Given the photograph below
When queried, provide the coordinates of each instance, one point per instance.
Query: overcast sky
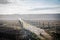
(29, 6)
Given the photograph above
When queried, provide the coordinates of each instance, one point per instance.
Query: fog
(31, 17)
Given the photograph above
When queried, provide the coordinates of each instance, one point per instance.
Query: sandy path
(36, 30)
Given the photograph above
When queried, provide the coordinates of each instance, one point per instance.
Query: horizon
(31, 17)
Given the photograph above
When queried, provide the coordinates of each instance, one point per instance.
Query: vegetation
(27, 35)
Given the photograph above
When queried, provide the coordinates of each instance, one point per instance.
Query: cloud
(46, 8)
(27, 7)
(4, 2)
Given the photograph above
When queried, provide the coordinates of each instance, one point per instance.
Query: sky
(29, 6)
